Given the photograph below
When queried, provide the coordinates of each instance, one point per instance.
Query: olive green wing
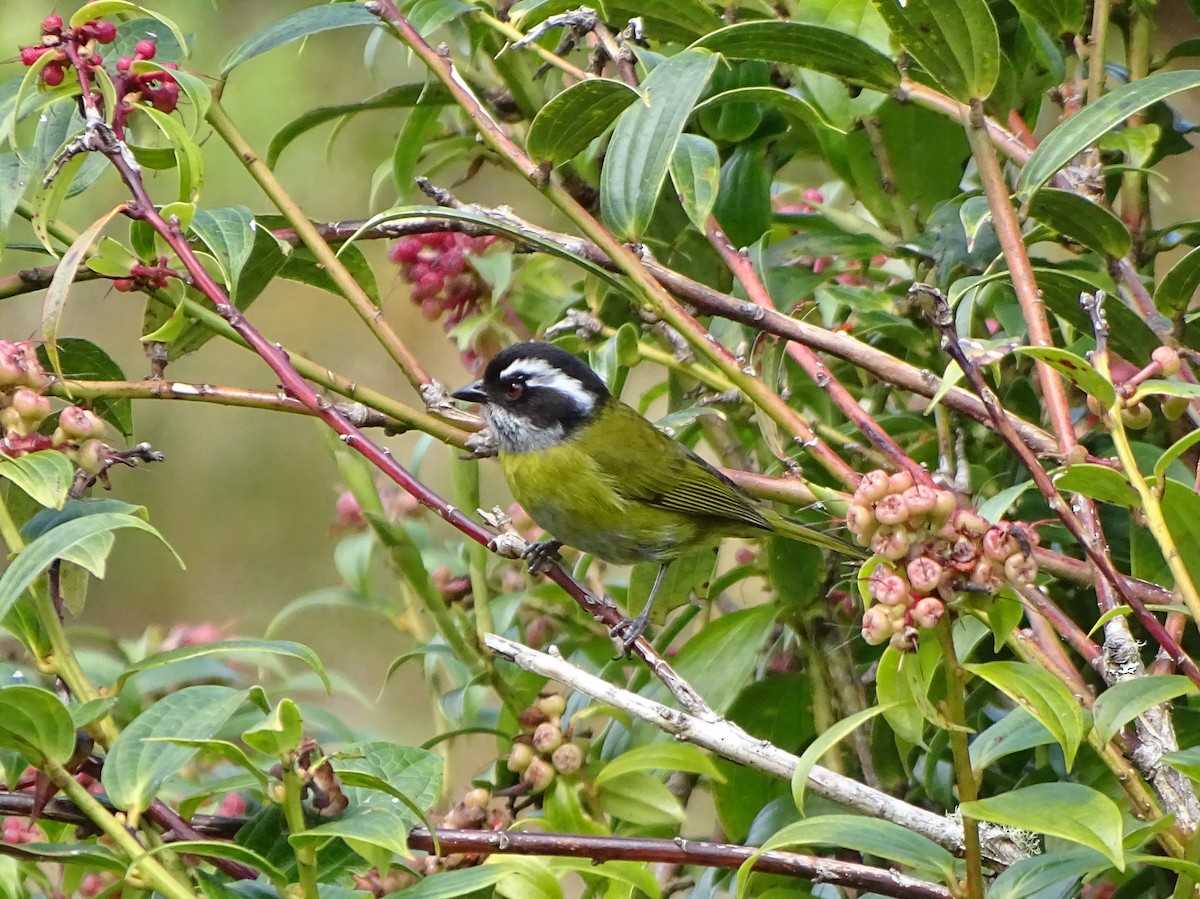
(645, 465)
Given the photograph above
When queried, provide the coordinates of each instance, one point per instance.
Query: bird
(596, 475)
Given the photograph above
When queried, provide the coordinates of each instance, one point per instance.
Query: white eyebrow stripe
(540, 373)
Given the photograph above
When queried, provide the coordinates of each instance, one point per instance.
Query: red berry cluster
(54, 39)
(443, 283)
(853, 276)
(543, 750)
(23, 409)
(934, 553)
(158, 88)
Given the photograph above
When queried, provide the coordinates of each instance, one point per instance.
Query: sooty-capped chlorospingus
(598, 476)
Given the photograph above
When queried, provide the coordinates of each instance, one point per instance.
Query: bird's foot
(542, 555)
(625, 633)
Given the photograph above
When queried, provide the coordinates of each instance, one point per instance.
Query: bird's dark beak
(472, 393)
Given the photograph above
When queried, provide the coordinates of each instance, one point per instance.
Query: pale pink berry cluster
(24, 408)
(543, 750)
(933, 552)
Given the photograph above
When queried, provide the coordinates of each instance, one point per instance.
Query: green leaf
(821, 745)
(955, 41)
(228, 233)
(232, 851)
(48, 199)
(1128, 333)
(1015, 732)
(1030, 876)
(82, 359)
(1075, 369)
(1098, 482)
(696, 174)
(458, 883)
(1126, 700)
(136, 765)
(238, 647)
(720, 660)
(1185, 761)
(659, 757)
(674, 20)
(1056, 17)
(904, 693)
(1082, 221)
(645, 138)
(1181, 509)
(188, 158)
(313, 20)
(301, 265)
(577, 116)
(35, 722)
(1173, 452)
(788, 102)
(418, 128)
(417, 773)
(1067, 810)
(63, 541)
(1083, 129)
(814, 47)
(1174, 293)
(55, 301)
(743, 207)
(640, 799)
(46, 476)
(279, 733)
(1043, 696)
(399, 97)
(873, 836)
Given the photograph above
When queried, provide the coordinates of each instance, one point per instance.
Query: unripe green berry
(519, 757)
(477, 798)
(906, 639)
(944, 505)
(90, 456)
(1137, 418)
(553, 705)
(1167, 359)
(1173, 407)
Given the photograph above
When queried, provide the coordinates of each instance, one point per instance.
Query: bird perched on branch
(598, 476)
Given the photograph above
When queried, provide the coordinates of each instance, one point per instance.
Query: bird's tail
(796, 530)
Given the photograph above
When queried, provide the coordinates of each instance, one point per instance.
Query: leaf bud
(1173, 407)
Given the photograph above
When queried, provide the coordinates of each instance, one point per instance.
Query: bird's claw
(542, 555)
(625, 634)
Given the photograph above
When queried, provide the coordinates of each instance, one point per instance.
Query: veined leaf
(309, 21)
(575, 117)
(645, 138)
(955, 41)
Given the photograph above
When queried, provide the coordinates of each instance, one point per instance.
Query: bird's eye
(513, 390)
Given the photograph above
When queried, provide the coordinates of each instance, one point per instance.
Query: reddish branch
(883, 881)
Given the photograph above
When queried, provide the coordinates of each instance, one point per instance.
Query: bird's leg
(627, 630)
(542, 555)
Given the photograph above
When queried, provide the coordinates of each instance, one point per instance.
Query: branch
(445, 841)
(729, 741)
